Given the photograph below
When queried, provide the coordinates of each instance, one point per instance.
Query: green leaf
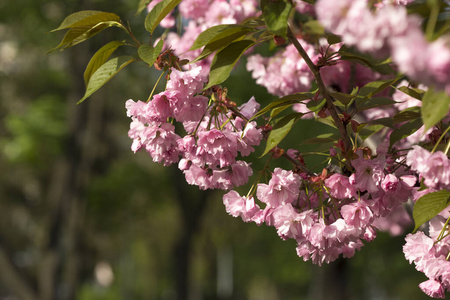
(435, 106)
(285, 101)
(386, 122)
(99, 58)
(215, 33)
(280, 130)
(87, 18)
(382, 67)
(411, 113)
(367, 130)
(223, 38)
(328, 121)
(345, 99)
(365, 104)
(405, 130)
(77, 35)
(159, 12)
(429, 205)
(316, 105)
(313, 27)
(142, 5)
(276, 13)
(375, 87)
(149, 54)
(224, 61)
(415, 93)
(322, 138)
(104, 73)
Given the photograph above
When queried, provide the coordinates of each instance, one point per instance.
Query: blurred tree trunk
(60, 270)
(330, 281)
(57, 274)
(192, 204)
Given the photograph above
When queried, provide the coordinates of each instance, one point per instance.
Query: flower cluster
(207, 153)
(430, 256)
(333, 213)
(433, 168)
(327, 214)
(389, 31)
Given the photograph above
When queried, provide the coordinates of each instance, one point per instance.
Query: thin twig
(329, 101)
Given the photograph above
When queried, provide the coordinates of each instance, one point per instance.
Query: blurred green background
(82, 217)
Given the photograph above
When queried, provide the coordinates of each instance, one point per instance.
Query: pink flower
(193, 9)
(357, 214)
(240, 172)
(417, 246)
(249, 108)
(135, 133)
(283, 188)
(433, 288)
(218, 147)
(437, 173)
(161, 143)
(417, 159)
(286, 221)
(197, 176)
(238, 206)
(340, 186)
(369, 173)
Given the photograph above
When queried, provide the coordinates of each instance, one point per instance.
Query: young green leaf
(159, 12)
(413, 92)
(77, 35)
(382, 67)
(142, 5)
(366, 130)
(316, 105)
(221, 40)
(276, 14)
(284, 101)
(149, 54)
(411, 113)
(344, 98)
(224, 61)
(386, 122)
(104, 73)
(87, 18)
(365, 104)
(372, 88)
(322, 138)
(405, 130)
(435, 106)
(99, 58)
(429, 205)
(216, 33)
(280, 130)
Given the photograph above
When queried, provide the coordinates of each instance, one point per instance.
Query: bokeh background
(82, 217)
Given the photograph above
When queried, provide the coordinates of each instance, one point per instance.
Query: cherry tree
(376, 72)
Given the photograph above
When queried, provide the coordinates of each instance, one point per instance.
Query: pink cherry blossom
(433, 288)
(283, 188)
(340, 186)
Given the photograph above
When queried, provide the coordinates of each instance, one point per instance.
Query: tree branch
(329, 101)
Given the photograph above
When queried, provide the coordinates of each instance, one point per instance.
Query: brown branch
(323, 89)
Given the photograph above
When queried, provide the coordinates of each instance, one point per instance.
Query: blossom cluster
(327, 214)
(333, 213)
(207, 153)
(430, 256)
(389, 31)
